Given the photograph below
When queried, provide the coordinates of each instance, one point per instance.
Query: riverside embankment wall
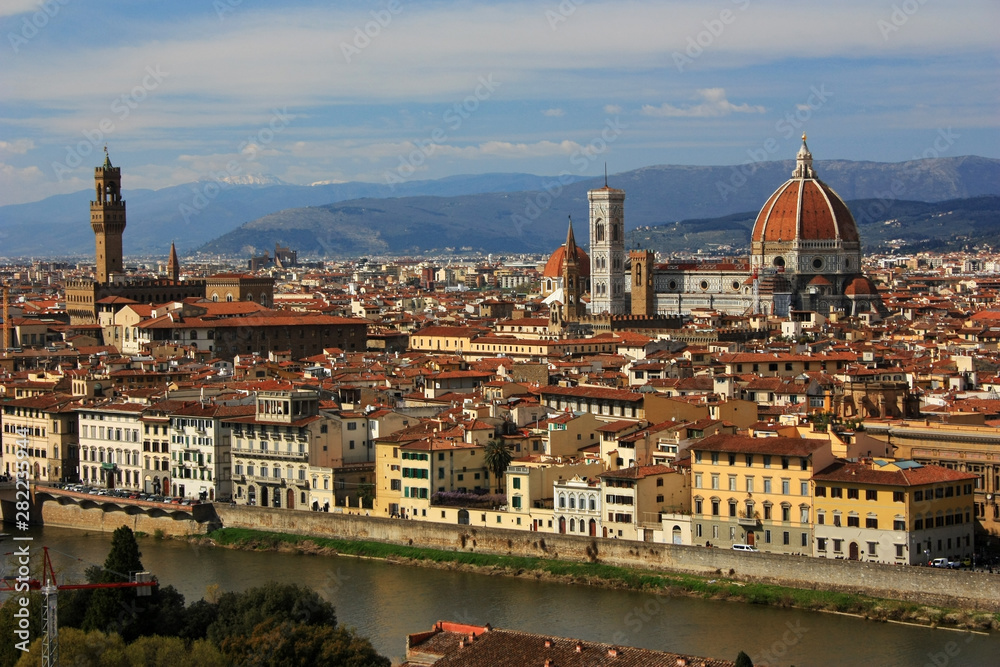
(949, 588)
(106, 518)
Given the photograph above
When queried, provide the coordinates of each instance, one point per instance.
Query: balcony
(748, 519)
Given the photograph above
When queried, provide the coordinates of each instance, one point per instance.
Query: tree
(277, 643)
(743, 660)
(115, 608)
(497, 457)
(239, 613)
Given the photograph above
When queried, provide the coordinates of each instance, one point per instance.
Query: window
(732, 482)
(852, 494)
(767, 485)
(853, 521)
(899, 551)
(898, 524)
(697, 530)
(732, 459)
(352, 426)
(803, 515)
(786, 513)
(516, 481)
(697, 506)
(837, 546)
(715, 507)
(767, 537)
(732, 508)
(786, 487)
(749, 484)
(820, 491)
(821, 518)
(697, 480)
(820, 544)
(836, 492)
(897, 496)
(872, 549)
(871, 494)
(805, 539)
(836, 519)
(715, 481)
(918, 495)
(749, 458)
(785, 538)
(784, 463)
(871, 522)
(767, 461)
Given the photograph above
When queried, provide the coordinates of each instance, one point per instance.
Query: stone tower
(607, 250)
(643, 292)
(107, 218)
(173, 264)
(573, 307)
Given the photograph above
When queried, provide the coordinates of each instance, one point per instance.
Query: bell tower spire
(107, 219)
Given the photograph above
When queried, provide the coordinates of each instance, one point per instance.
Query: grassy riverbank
(598, 574)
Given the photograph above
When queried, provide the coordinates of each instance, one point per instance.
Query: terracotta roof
(449, 645)
(804, 209)
(554, 267)
(741, 444)
(860, 473)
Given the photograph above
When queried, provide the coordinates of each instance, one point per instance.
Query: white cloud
(714, 104)
(15, 7)
(17, 147)
(553, 113)
(612, 108)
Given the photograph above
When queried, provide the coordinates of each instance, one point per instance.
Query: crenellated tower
(107, 218)
(607, 250)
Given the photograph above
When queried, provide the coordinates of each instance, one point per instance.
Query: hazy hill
(194, 213)
(512, 213)
(536, 221)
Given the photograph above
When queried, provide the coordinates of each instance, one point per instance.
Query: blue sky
(382, 90)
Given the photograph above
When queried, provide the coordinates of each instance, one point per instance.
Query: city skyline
(394, 92)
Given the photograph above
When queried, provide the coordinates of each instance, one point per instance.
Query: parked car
(744, 547)
(945, 563)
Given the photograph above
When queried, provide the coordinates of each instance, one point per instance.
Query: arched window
(599, 228)
(562, 501)
(194, 335)
(572, 503)
(593, 503)
(572, 525)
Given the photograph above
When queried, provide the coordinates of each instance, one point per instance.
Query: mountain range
(489, 212)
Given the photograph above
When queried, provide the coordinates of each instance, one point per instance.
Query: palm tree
(497, 457)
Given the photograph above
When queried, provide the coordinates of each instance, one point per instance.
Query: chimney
(548, 662)
(612, 653)
(579, 647)
(548, 643)
(461, 643)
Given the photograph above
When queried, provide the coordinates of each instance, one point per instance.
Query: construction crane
(143, 583)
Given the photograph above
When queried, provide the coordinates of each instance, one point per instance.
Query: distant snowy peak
(326, 183)
(253, 179)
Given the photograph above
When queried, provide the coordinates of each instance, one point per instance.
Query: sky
(394, 90)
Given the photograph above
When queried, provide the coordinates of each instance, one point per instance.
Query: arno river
(385, 602)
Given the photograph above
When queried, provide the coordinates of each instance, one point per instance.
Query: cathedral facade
(805, 255)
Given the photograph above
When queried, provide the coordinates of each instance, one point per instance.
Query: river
(385, 602)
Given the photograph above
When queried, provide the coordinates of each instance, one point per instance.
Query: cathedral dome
(554, 267)
(860, 286)
(804, 208)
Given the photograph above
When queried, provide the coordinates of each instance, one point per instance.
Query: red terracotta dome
(804, 208)
(860, 286)
(553, 268)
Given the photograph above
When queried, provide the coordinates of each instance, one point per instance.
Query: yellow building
(755, 491)
(45, 427)
(893, 512)
(409, 474)
(635, 498)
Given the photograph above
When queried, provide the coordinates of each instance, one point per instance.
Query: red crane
(143, 582)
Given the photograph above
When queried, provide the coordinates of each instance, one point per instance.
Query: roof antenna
(605, 173)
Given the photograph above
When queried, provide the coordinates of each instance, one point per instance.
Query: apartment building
(898, 512)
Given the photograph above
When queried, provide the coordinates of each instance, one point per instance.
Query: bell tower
(107, 218)
(607, 250)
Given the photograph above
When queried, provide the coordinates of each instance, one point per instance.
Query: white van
(744, 547)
